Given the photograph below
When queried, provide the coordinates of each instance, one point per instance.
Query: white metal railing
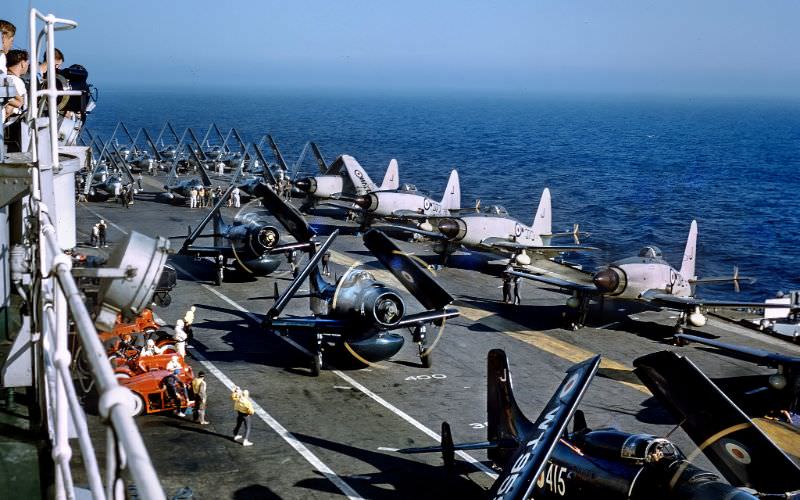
(56, 295)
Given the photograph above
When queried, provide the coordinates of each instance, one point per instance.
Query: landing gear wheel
(425, 356)
(316, 364)
(138, 404)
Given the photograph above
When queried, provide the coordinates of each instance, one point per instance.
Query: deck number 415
(554, 479)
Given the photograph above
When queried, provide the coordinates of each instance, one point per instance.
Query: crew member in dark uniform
(326, 257)
(172, 386)
(506, 288)
(517, 281)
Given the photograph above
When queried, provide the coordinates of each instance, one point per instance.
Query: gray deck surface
(344, 418)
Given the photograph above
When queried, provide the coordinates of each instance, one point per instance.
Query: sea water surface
(633, 171)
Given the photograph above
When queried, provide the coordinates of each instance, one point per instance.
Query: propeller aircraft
(408, 203)
(648, 278)
(247, 244)
(541, 459)
(494, 230)
(357, 312)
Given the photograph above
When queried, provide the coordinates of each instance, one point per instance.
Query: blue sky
(637, 46)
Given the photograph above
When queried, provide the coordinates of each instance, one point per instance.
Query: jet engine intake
(306, 185)
(611, 280)
(453, 229)
(368, 202)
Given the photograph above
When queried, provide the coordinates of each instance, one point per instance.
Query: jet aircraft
(541, 459)
(344, 179)
(358, 313)
(650, 279)
(493, 230)
(408, 203)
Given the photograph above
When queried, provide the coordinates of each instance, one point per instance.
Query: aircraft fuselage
(389, 203)
(629, 278)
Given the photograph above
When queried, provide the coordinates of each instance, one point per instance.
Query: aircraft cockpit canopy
(357, 277)
(650, 252)
(495, 210)
(408, 187)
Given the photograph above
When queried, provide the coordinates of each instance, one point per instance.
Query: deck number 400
(437, 376)
(554, 478)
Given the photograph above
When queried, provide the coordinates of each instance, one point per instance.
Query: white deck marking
(411, 420)
(283, 433)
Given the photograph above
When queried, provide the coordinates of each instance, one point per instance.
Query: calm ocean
(632, 171)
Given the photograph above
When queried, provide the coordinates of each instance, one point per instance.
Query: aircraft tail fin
(687, 266)
(543, 221)
(517, 436)
(391, 180)
(506, 420)
(452, 193)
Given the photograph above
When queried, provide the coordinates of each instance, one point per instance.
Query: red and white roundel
(570, 385)
(737, 451)
(358, 174)
(518, 229)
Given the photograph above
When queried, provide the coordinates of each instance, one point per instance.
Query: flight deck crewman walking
(244, 408)
(506, 288)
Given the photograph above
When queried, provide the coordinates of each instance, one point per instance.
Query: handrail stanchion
(58, 295)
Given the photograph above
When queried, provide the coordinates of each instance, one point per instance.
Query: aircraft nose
(606, 280)
(449, 228)
(363, 201)
(303, 184)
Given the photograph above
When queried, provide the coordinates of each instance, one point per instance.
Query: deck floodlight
(143, 258)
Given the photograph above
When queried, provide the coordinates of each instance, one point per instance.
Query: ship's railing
(53, 294)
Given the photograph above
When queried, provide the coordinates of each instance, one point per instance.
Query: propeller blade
(287, 214)
(417, 280)
(287, 295)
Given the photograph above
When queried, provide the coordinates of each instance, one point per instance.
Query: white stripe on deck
(283, 433)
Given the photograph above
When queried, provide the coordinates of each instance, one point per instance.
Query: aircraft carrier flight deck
(336, 434)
